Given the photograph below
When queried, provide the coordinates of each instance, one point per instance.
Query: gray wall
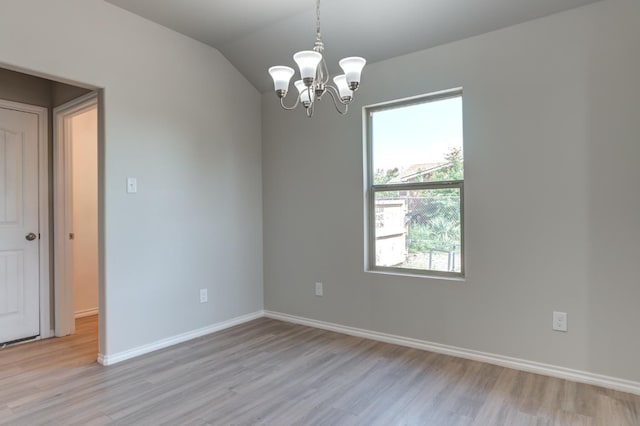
(179, 118)
(552, 126)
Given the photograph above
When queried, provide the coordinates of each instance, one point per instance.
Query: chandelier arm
(335, 97)
(295, 105)
(335, 94)
(326, 71)
(311, 94)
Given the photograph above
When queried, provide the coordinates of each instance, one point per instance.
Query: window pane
(418, 143)
(418, 229)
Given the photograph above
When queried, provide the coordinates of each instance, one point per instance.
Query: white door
(19, 256)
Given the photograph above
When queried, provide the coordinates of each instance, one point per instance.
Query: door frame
(43, 210)
(63, 211)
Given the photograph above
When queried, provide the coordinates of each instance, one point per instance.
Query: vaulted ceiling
(256, 34)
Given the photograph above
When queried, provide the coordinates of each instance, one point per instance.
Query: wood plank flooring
(268, 372)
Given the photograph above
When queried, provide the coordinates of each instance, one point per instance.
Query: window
(415, 178)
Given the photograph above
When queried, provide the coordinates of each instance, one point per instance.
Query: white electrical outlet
(319, 289)
(560, 321)
(204, 297)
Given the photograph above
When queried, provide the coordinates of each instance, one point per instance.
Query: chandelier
(314, 75)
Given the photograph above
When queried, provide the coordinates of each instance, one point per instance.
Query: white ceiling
(256, 34)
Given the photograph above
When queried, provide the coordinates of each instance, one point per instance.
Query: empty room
(305, 212)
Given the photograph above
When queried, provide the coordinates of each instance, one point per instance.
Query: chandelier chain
(318, 17)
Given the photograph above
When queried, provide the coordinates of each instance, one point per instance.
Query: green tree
(438, 211)
(453, 170)
(444, 203)
(381, 177)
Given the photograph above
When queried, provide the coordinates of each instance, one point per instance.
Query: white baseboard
(504, 361)
(614, 383)
(86, 313)
(170, 341)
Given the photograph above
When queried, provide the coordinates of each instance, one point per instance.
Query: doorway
(28, 304)
(75, 212)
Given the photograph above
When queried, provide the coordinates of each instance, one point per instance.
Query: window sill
(416, 275)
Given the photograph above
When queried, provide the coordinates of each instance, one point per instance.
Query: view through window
(416, 184)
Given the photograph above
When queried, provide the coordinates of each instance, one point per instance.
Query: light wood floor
(268, 372)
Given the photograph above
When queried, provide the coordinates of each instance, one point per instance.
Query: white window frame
(372, 189)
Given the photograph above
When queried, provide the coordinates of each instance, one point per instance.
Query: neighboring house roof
(417, 170)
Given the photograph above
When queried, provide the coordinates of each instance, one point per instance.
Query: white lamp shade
(281, 77)
(352, 68)
(343, 88)
(303, 90)
(307, 61)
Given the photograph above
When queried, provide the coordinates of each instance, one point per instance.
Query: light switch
(132, 185)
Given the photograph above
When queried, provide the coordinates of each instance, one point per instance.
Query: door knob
(31, 236)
